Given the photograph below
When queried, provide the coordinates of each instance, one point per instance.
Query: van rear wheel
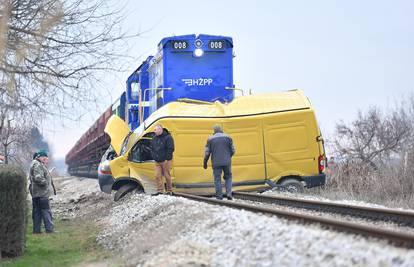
(293, 186)
(123, 190)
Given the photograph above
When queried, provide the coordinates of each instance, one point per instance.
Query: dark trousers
(227, 179)
(41, 211)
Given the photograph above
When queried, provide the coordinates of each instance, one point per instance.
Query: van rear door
(290, 146)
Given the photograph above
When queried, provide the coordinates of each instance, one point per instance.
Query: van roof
(240, 106)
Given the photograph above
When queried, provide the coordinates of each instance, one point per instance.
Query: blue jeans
(41, 211)
(227, 179)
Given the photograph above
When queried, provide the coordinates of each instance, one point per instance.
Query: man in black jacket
(162, 152)
(221, 148)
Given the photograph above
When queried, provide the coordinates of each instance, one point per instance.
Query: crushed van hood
(117, 130)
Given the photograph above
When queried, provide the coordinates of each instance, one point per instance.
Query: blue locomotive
(187, 66)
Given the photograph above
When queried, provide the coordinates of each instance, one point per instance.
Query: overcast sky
(345, 55)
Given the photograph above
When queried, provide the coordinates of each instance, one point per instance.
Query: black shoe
(169, 193)
(229, 198)
(156, 194)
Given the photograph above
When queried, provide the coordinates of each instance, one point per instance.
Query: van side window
(142, 149)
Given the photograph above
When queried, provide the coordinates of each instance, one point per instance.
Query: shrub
(13, 210)
(374, 156)
(387, 184)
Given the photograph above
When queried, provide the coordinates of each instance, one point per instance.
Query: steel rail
(401, 217)
(395, 237)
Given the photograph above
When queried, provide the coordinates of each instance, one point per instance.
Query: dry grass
(391, 186)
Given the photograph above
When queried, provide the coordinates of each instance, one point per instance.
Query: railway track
(401, 217)
(395, 237)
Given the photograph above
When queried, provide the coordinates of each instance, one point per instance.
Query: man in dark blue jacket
(220, 147)
(162, 152)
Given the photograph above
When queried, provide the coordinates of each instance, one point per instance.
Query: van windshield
(124, 144)
(142, 151)
(138, 131)
(132, 138)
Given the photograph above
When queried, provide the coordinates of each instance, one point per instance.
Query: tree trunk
(6, 155)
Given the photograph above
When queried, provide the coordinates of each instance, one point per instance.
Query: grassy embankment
(72, 244)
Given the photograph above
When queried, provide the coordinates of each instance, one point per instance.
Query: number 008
(216, 44)
(180, 45)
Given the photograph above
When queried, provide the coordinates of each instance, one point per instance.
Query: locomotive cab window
(142, 149)
(135, 90)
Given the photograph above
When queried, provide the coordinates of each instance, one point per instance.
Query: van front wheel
(293, 186)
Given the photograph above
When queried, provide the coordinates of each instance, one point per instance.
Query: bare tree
(53, 52)
(19, 139)
(52, 56)
(15, 140)
(375, 155)
(373, 137)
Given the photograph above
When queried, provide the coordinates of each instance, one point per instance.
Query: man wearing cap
(41, 189)
(220, 147)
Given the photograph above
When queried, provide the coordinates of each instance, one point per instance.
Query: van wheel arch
(124, 186)
(292, 183)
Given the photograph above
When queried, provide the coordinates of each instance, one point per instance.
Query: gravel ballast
(219, 236)
(172, 231)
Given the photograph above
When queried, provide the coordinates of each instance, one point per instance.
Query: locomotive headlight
(198, 52)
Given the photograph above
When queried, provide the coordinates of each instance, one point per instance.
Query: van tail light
(321, 163)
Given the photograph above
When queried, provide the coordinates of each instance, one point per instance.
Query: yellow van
(276, 136)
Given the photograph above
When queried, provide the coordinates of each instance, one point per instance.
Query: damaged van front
(119, 133)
